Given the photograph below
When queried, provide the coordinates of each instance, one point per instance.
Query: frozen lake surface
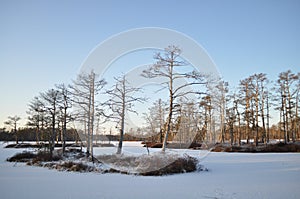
(230, 175)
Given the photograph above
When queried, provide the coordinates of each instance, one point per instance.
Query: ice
(230, 175)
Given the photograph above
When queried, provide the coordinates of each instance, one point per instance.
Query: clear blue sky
(43, 43)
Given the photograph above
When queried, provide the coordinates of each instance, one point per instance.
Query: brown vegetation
(41, 156)
(75, 160)
(250, 148)
(173, 145)
(149, 165)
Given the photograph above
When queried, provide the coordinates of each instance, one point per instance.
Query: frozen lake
(230, 175)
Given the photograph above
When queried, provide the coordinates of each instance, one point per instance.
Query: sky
(45, 42)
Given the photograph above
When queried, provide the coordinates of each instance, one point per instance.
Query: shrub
(249, 148)
(41, 156)
(152, 144)
(45, 156)
(156, 145)
(22, 157)
(195, 145)
(150, 165)
(218, 148)
(179, 165)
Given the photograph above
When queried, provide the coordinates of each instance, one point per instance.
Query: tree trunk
(171, 104)
(122, 123)
(53, 135)
(256, 113)
(231, 133)
(92, 114)
(268, 120)
(290, 117)
(239, 123)
(264, 136)
(16, 133)
(64, 132)
(169, 121)
(247, 114)
(283, 101)
(296, 119)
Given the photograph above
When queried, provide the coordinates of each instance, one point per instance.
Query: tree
(264, 104)
(64, 105)
(166, 66)
(230, 120)
(36, 116)
(205, 107)
(268, 104)
(122, 99)
(246, 95)
(13, 122)
(232, 116)
(84, 89)
(285, 84)
(220, 99)
(187, 123)
(50, 101)
(258, 82)
(296, 120)
(156, 118)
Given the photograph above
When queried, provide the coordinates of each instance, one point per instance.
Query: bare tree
(187, 123)
(165, 66)
(246, 95)
(84, 89)
(286, 85)
(122, 99)
(263, 81)
(64, 105)
(236, 103)
(268, 104)
(50, 101)
(156, 118)
(220, 100)
(13, 122)
(205, 108)
(36, 117)
(230, 120)
(296, 120)
(256, 81)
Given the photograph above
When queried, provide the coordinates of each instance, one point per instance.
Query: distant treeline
(29, 134)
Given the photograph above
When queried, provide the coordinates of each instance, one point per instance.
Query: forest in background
(218, 114)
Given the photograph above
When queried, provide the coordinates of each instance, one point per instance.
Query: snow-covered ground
(230, 175)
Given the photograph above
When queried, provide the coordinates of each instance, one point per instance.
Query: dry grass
(149, 165)
(41, 156)
(22, 157)
(157, 164)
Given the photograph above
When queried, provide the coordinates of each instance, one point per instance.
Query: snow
(230, 175)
